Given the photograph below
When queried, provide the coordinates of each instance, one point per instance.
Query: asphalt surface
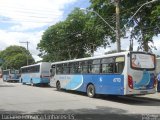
(43, 100)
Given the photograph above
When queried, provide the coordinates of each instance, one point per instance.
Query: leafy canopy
(76, 37)
(15, 57)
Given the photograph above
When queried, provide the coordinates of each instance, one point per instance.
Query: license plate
(143, 92)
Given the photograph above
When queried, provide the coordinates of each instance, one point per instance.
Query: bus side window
(52, 71)
(65, 68)
(37, 68)
(119, 66)
(59, 69)
(107, 65)
(84, 66)
(96, 66)
(72, 68)
(77, 68)
(90, 66)
(107, 68)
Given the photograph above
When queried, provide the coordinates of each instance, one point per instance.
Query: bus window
(84, 65)
(59, 69)
(17, 71)
(5, 72)
(119, 66)
(74, 67)
(52, 70)
(37, 68)
(12, 71)
(79, 67)
(107, 68)
(142, 61)
(95, 66)
(65, 68)
(107, 65)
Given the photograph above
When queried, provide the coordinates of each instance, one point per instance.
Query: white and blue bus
(125, 73)
(36, 73)
(11, 75)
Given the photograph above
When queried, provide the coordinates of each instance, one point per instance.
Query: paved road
(17, 98)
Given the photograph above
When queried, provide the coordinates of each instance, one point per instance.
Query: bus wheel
(91, 91)
(31, 83)
(58, 86)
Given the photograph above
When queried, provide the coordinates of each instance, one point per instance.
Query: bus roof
(96, 57)
(36, 64)
(7, 70)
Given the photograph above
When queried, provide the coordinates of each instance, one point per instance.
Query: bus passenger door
(52, 75)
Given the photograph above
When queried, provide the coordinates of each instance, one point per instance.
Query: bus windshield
(12, 71)
(142, 61)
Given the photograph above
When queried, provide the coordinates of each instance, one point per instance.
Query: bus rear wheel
(58, 86)
(91, 91)
(31, 82)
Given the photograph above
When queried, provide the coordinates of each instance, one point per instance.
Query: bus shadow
(38, 85)
(10, 81)
(7, 86)
(72, 92)
(43, 85)
(132, 100)
(129, 100)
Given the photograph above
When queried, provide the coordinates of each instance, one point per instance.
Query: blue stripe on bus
(104, 84)
(146, 81)
(75, 82)
(35, 80)
(151, 83)
(7, 78)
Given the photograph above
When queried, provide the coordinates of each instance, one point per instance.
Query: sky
(26, 20)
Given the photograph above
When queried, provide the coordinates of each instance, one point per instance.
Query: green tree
(15, 57)
(76, 37)
(145, 23)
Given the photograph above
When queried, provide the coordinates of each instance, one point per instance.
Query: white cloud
(28, 15)
(157, 44)
(125, 46)
(14, 38)
(32, 13)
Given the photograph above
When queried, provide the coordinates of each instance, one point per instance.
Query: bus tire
(23, 83)
(58, 86)
(31, 81)
(91, 91)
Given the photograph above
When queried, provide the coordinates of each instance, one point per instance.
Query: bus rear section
(45, 73)
(5, 75)
(11, 75)
(141, 74)
(36, 73)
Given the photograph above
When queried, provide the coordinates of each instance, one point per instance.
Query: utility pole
(26, 42)
(117, 4)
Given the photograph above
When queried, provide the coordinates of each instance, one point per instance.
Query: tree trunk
(145, 45)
